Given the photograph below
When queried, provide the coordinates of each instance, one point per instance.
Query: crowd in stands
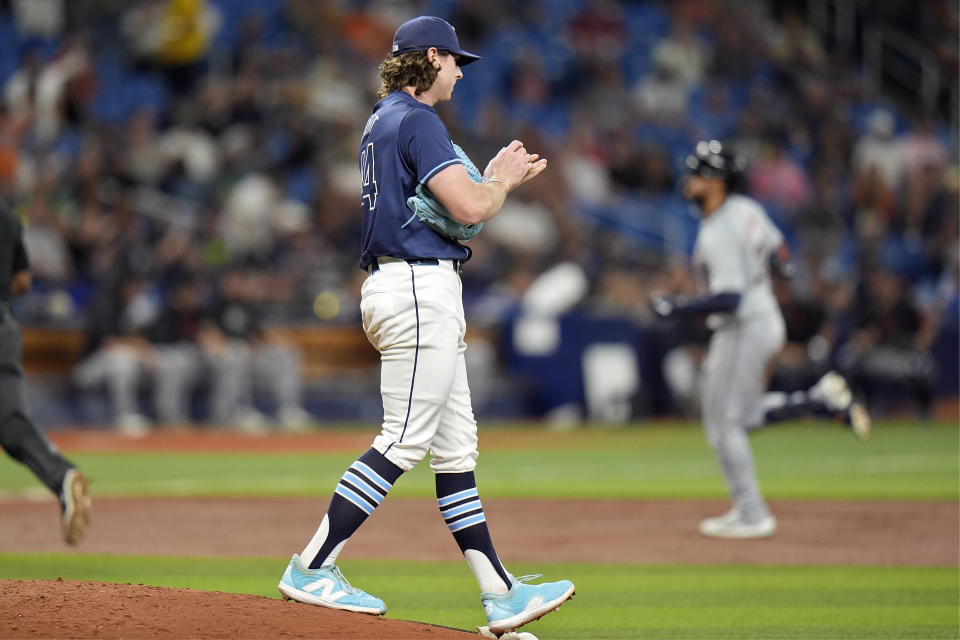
(172, 156)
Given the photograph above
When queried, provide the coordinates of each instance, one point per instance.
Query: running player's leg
(829, 398)
(733, 376)
(19, 436)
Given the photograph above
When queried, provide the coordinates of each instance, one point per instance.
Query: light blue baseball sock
(459, 503)
(361, 490)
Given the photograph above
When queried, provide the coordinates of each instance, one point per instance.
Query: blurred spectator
(174, 34)
(920, 148)
(821, 224)
(44, 238)
(795, 47)
(242, 354)
(809, 342)
(154, 134)
(40, 18)
(142, 159)
(582, 162)
(662, 95)
(526, 226)
(178, 363)
(117, 356)
(645, 167)
(890, 346)
(597, 31)
(878, 150)
(738, 47)
(47, 94)
(247, 215)
(778, 181)
(9, 155)
(682, 53)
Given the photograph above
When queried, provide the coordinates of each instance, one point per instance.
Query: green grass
(613, 601)
(813, 460)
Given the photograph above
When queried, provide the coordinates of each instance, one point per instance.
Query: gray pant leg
(117, 367)
(733, 385)
(19, 436)
(123, 379)
(277, 367)
(178, 368)
(232, 381)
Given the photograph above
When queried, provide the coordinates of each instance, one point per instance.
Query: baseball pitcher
(421, 198)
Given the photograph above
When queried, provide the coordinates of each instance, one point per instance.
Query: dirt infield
(632, 531)
(67, 609)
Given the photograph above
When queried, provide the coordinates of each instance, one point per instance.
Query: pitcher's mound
(68, 609)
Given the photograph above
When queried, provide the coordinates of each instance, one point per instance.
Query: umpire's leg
(19, 437)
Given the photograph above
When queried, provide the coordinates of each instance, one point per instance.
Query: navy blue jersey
(404, 143)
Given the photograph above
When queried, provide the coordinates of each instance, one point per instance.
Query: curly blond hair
(407, 70)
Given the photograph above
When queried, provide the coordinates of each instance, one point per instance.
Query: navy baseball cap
(423, 32)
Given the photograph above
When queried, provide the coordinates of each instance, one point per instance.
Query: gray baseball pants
(241, 366)
(734, 381)
(19, 436)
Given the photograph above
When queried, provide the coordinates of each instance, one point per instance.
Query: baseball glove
(426, 207)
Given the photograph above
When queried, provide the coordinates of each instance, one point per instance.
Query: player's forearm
(726, 302)
(483, 203)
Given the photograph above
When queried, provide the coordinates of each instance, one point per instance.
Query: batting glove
(662, 306)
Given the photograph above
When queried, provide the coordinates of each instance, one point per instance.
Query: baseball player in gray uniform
(736, 245)
(19, 436)
(420, 198)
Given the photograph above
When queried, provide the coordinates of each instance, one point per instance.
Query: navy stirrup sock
(459, 503)
(784, 406)
(361, 490)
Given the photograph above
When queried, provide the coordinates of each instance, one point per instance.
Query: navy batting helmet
(711, 159)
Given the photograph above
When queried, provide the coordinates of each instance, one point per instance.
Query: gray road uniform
(732, 255)
(19, 436)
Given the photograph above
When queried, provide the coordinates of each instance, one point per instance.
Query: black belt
(374, 266)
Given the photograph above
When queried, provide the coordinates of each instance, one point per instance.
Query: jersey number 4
(369, 177)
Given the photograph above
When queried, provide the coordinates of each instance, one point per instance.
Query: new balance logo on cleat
(328, 587)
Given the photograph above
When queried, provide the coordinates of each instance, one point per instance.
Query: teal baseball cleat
(326, 587)
(524, 603)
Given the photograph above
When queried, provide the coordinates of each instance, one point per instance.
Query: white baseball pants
(413, 315)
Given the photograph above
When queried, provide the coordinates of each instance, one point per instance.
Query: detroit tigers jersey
(404, 144)
(732, 254)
